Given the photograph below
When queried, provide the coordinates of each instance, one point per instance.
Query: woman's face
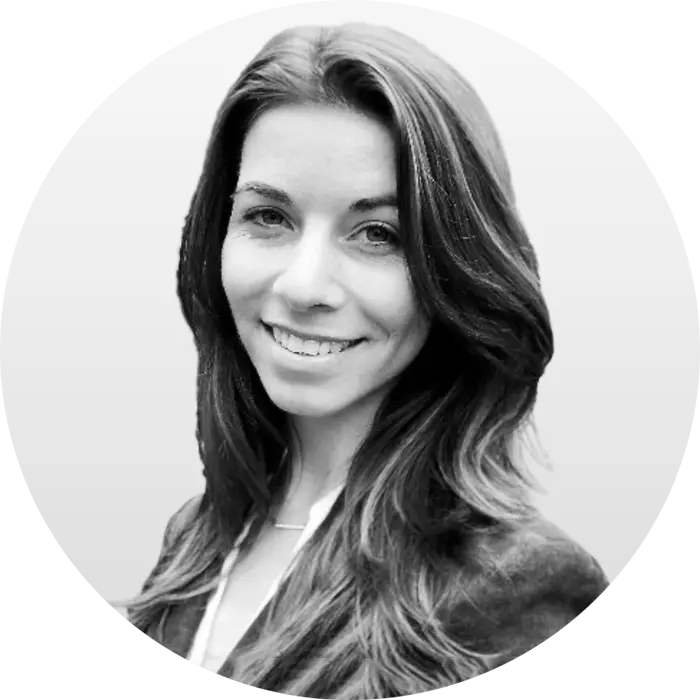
(312, 263)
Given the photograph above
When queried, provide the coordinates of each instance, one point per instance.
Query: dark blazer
(521, 586)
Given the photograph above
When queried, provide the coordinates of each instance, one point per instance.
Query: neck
(322, 454)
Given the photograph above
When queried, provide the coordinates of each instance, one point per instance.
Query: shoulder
(177, 523)
(519, 585)
(536, 558)
(180, 519)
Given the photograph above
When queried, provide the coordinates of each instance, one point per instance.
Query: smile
(309, 347)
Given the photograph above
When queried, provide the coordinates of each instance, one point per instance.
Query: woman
(371, 331)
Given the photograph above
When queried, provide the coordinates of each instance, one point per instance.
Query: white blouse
(317, 514)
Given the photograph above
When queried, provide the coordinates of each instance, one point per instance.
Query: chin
(302, 406)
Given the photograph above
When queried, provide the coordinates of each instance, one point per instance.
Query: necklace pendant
(285, 526)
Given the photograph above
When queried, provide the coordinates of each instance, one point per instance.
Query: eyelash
(252, 217)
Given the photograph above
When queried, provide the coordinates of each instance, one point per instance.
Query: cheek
(390, 302)
(415, 332)
(242, 271)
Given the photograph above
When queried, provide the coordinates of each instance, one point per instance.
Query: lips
(352, 343)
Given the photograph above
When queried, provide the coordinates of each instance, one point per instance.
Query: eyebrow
(360, 206)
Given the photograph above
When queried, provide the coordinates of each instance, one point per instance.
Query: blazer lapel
(248, 638)
(182, 623)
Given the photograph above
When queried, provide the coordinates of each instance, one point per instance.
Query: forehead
(320, 150)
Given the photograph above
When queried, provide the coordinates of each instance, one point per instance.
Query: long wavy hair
(364, 609)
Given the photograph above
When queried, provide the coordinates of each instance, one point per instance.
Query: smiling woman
(371, 332)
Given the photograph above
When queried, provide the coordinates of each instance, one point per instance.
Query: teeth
(306, 347)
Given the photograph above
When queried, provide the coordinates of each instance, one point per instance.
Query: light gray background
(98, 367)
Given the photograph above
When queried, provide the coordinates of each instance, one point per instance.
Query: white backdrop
(98, 373)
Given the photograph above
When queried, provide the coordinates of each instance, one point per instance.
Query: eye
(268, 218)
(380, 237)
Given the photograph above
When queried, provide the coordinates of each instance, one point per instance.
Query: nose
(308, 278)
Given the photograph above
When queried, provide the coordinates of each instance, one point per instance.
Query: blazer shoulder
(543, 560)
(177, 522)
(180, 519)
(535, 560)
(519, 585)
